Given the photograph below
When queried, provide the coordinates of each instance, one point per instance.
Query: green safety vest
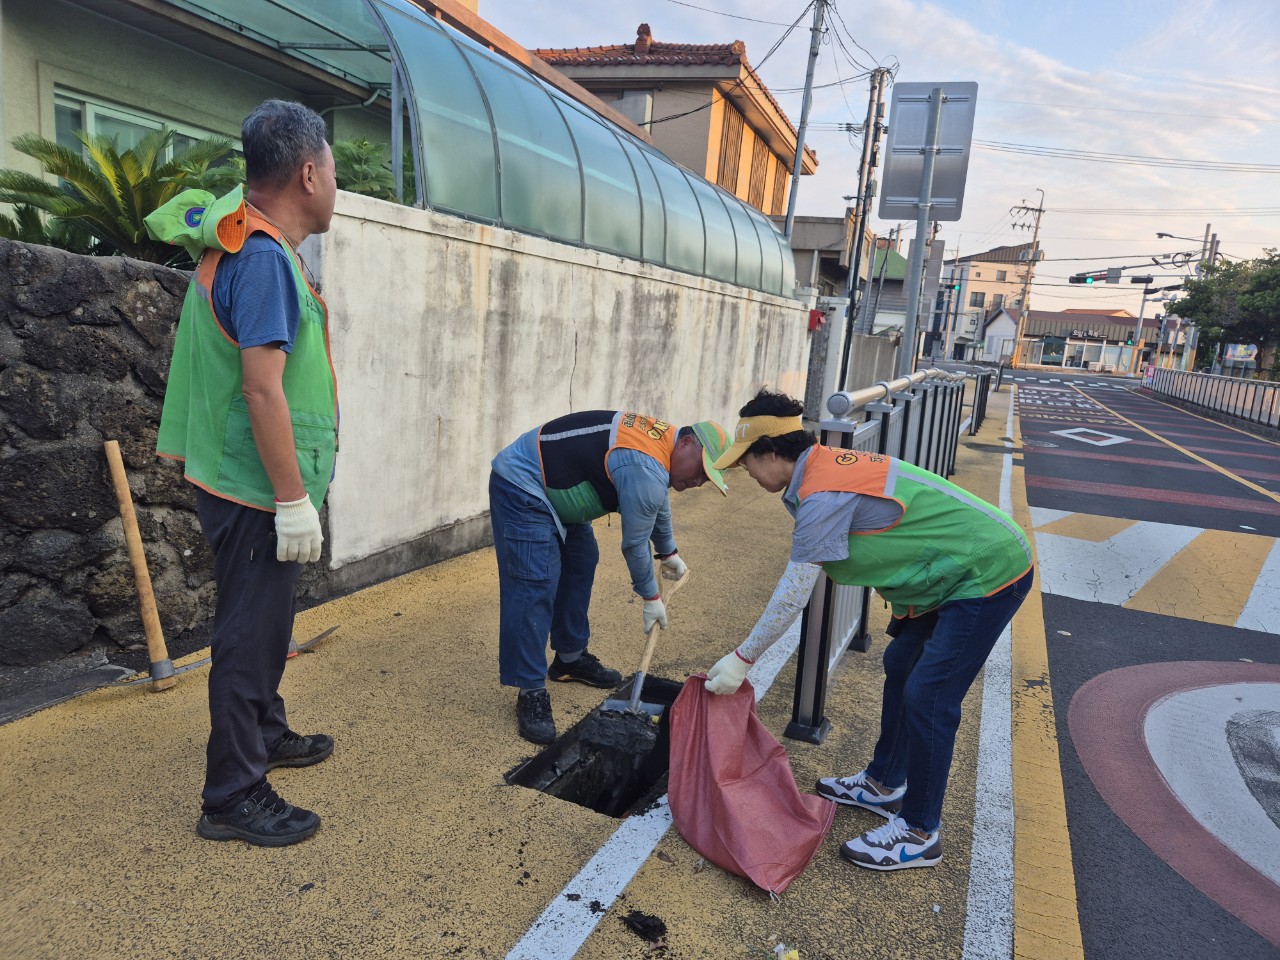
(205, 421)
(947, 545)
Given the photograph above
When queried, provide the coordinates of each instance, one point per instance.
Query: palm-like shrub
(29, 225)
(108, 193)
(360, 168)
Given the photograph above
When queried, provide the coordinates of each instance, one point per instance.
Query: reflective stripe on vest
(574, 450)
(947, 545)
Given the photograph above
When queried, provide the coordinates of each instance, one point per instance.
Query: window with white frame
(1002, 274)
(76, 111)
(977, 298)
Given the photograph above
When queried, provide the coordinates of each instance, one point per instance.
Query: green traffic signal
(1088, 279)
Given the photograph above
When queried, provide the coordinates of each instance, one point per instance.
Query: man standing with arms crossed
(251, 409)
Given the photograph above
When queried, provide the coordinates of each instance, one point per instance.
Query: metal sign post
(928, 149)
(908, 351)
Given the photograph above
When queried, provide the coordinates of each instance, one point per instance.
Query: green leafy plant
(1236, 302)
(29, 225)
(107, 193)
(361, 168)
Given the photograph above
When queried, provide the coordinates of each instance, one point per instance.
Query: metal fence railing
(1253, 401)
(917, 419)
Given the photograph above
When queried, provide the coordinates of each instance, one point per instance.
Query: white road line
(1262, 611)
(1085, 570)
(568, 920)
(988, 925)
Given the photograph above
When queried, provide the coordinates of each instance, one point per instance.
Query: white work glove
(655, 611)
(673, 568)
(298, 535)
(728, 673)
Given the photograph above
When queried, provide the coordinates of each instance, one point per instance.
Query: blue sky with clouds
(1174, 79)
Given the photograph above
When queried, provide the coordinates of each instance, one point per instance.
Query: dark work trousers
(252, 624)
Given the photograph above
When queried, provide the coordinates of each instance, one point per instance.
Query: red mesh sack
(732, 794)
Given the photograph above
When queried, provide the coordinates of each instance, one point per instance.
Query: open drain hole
(612, 781)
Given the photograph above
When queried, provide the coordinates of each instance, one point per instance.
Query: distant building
(702, 105)
(973, 289)
(1101, 341)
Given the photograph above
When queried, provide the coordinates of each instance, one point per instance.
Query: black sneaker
(586, 669)
(295, 750)
(262, 819)
(533, 712)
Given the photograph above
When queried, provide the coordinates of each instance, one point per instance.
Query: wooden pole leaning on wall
(162, 673)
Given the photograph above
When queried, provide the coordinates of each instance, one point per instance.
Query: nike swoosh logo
(908, 857)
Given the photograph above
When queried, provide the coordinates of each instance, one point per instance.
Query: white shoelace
(894, 830)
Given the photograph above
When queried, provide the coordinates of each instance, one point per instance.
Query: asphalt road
(1156, 533)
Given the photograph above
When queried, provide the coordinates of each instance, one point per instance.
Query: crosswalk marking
(1213, 576)
(1262, 611)
(1210, 579)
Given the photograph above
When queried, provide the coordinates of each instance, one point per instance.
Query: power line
(1068, 153)
(739, 82)
(1157, 113)
(1152, 212)
(721, 13)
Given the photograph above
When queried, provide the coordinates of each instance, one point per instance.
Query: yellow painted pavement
(1046, 923)
(1210, 579)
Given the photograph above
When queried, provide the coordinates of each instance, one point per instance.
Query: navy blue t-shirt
(254, 294)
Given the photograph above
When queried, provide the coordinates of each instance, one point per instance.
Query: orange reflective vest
(947, 545)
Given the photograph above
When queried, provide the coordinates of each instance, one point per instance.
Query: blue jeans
(929, 666)
(544, 583)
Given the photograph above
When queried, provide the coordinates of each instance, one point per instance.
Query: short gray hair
(278, 137)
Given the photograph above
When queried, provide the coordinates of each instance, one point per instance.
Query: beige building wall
(452, 338)
(984, 277)
(686, 140)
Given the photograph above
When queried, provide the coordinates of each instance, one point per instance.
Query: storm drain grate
(606, 780)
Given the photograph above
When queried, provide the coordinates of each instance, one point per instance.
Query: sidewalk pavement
(425, 851)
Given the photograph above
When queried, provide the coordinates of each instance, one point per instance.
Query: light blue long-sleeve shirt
(644, 501)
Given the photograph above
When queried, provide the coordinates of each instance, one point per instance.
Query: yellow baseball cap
(751, 429)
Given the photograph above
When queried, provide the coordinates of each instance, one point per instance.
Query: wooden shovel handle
(655, 626)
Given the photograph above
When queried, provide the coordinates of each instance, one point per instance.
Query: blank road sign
(904, 162)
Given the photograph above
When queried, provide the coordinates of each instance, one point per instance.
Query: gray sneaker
(859, 790)
(262, 818)
(895, 846)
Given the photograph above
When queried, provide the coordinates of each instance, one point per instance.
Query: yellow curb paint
(1210, 579)
(1183, 450)
(1046, 919)
(1087, 526)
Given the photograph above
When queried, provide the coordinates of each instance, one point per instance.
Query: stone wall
(84, 355)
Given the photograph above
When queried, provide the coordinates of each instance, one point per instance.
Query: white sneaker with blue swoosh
(895, 846)
(860, 790)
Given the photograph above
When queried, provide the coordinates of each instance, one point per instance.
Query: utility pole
(871, 131)
(1024, 306)
(871, 305)
(819, 11)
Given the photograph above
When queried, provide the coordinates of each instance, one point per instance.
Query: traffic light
(1087, 277)
(1129, 342)
(1141, 279)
